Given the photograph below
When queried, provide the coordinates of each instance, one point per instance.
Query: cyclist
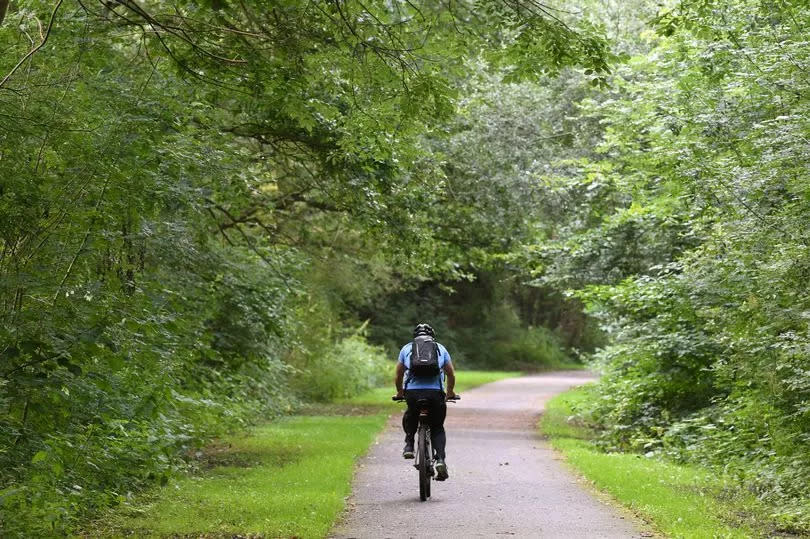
(430, 389)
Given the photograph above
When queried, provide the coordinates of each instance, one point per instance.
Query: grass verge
(679, 500)
(288, 478)
(285, 479)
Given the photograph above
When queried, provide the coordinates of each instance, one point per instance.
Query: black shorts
(437, 409)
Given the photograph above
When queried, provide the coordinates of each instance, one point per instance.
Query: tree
(182, 182)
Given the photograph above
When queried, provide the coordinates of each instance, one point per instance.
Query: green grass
(288, 478)
(681, 501)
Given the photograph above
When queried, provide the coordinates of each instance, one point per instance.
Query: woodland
(213, 212)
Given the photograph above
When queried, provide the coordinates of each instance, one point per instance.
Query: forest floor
(504, 478)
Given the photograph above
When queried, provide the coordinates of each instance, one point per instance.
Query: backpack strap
(441, 367)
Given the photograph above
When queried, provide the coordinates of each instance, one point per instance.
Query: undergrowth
(679, 500)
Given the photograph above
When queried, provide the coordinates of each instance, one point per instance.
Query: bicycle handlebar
(402, 399)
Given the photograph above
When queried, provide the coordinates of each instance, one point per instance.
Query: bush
(503, 342)
(530, 349)
(347, 368)
(137, 436)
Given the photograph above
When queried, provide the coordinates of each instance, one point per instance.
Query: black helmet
(423, 329)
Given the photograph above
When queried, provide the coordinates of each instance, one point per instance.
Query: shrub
(347, 368)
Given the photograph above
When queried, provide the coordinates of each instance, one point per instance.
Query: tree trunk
(3, 9)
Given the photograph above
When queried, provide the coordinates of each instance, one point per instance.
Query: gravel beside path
(504, 479)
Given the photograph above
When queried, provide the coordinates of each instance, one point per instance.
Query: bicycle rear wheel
(422, 453)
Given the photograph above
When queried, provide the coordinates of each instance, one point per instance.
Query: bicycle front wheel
(422, 453)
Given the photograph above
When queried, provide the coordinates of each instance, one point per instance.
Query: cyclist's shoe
(407, 451)
(441, 470)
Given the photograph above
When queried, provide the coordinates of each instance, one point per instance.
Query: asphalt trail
(504, 479)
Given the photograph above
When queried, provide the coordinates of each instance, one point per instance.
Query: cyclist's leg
(409, 423)
(410, 419)
(438, 411)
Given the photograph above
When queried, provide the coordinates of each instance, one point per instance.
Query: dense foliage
(687, 236)
(198, 201)
(210, 211)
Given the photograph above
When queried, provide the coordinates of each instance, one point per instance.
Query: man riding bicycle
(418, 386)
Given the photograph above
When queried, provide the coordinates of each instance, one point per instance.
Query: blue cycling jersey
(422, 382)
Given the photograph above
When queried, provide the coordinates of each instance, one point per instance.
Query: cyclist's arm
(398, 378)
(450, 374)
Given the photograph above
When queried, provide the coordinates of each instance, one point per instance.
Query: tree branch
(35, 49)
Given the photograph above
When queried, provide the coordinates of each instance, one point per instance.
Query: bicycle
(424, 451)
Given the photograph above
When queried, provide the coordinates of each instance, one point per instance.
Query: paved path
(504, 479)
